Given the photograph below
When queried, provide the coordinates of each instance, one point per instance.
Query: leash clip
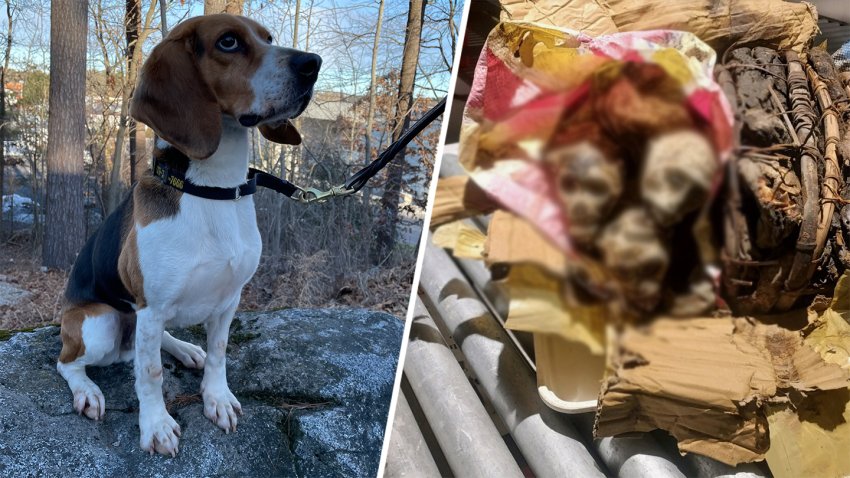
(308, 195)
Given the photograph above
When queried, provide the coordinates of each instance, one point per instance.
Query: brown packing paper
(458, 197)
(720, 23)
(707, 382)
(511, 239)
(811, 437)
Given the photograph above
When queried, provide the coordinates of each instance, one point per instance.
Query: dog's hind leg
(91, 335)
(190, 355)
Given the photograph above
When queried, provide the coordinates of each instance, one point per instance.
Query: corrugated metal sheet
(837, 9)
(834, 32)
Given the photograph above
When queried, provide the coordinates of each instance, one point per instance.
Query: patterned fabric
(842, 57)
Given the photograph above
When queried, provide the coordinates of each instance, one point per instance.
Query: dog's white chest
(196, 263)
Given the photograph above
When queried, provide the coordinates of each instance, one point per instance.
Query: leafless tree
(116, 185)
(370, 116)
(223, 6)
(65, 226)
(163, 17)
(385, 239)
(132, 18)
(4, 120)
(295, 156)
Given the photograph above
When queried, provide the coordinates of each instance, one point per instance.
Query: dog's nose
(249, 120)
(307, 65)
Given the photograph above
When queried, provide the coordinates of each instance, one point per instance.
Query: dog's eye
(228, 43)
(270, 39)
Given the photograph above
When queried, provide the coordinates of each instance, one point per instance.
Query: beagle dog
(166, 258)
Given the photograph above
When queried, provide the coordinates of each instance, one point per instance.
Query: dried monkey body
(790, 175)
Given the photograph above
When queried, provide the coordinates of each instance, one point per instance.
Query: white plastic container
(568, 374)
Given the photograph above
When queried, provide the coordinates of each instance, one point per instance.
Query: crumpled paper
(720, 23)
(532, 85)
(811, 435)
(712, 383)
(536, 295)
(739, 390)
(463, 239)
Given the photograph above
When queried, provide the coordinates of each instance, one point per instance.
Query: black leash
(360, 178)
(177, 179)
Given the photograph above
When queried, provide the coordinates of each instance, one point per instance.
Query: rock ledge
(315, 387)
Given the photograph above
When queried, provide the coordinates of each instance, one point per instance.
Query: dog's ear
(172, 98)
(283, 133)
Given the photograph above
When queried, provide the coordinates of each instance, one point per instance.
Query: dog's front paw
(159, 433)
(221, 407)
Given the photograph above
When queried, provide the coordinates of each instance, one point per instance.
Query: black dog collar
(177, 180)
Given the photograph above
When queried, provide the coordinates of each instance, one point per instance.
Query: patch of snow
(15, 200)
(21, 207)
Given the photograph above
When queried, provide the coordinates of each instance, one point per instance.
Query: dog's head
(222, 65)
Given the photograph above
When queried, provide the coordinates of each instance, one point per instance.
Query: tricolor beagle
(169, 259)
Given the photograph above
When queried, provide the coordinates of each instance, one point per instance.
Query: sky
(341, 31)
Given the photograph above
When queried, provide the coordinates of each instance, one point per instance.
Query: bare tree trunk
(295, 157)
(131, 25)
(370, 116)
(295, 21)
(65, 227)
(309, 20)
(3, 119)
(386, 232)
(452, 31)
(223, 6)
(163, 18)
(163, 28)
(116, 185)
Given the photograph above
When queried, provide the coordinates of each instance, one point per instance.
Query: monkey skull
(637, 258)
(590, 184)
(677, 175)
